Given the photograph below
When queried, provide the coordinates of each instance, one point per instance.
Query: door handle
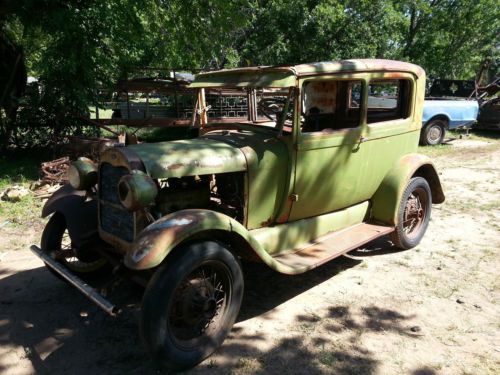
(363, 139)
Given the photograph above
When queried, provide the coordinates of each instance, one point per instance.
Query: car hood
(190, 157)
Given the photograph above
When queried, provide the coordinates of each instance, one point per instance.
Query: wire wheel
(190, 304)
(413, 214)
(57, 242)
(199, 304)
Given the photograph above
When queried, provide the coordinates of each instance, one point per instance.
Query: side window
(388, 100)
(329, 105)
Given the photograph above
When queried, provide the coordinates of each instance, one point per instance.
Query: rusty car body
(292, 168)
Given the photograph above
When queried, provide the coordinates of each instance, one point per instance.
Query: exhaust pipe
(78, 283)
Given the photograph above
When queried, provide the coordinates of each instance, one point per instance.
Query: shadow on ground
(62, 333)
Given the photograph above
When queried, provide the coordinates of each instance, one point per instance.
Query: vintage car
(292, 168)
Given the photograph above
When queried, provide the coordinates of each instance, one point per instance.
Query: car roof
(285, 76)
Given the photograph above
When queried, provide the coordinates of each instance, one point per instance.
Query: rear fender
(385, 202)
(160, 238)
(80, 213)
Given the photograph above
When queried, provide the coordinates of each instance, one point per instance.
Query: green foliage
(75, 47)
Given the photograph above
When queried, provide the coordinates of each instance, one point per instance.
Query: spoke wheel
(413, 214)
(57, 242)
(191, 304)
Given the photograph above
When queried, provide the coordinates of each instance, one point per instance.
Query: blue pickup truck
(441, 115)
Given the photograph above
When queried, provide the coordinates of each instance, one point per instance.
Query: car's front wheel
(413, 214)
(57, 242)
(190, 305)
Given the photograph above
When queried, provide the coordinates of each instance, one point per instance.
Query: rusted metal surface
(332, 245)
(55, 171)
(79, 284)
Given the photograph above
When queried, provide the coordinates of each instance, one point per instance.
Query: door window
(388, 100)
(329, 105)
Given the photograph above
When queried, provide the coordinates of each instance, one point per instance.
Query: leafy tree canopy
(74, 47)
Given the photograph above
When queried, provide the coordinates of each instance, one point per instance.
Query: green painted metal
(299, 186)
(244, 79)
(199, 156)
(137, 190)
(350, 164)
(284, 237)
(267, 158)
(159, 239)
(387, 197)
(269, 76)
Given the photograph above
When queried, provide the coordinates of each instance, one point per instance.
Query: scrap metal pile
(54, 172)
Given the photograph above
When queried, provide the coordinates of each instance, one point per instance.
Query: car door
(329, 146)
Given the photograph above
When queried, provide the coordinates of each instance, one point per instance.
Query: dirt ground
(430, 310)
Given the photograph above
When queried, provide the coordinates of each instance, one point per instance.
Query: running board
(78, 283)
(332, 245)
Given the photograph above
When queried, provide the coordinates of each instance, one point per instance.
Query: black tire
(53, 237)
(414, 213)
(433, 132)
(185, 318)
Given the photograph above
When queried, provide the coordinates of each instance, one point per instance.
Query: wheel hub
(197, 305)
(434, 133)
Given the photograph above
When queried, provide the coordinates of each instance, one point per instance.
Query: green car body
(293, 166)
(295, 186)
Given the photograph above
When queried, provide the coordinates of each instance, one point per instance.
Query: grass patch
(21, 169)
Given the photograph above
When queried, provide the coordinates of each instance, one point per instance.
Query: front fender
(79, 213)
(160, 238)
(385, 201)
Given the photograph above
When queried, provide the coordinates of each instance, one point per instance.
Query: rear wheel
(57, 242)
(433, 132)
(413, 214)
(190, 305)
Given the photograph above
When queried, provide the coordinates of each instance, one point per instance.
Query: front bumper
(78, 283)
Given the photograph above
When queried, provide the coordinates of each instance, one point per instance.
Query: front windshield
(270, 107)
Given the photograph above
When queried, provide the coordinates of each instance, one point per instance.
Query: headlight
(136, 190)
(82, 174)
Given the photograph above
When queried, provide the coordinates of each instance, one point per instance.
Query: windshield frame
(201, 119)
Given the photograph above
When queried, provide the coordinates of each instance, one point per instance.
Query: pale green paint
(268, 168)
(328, 172)
(345, 170)
(269, 76)
(244, 79)
(285, 237)
(387, 197)
(159, 239)
(199, 156)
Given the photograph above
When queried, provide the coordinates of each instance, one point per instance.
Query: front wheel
(190, 305)
(57, 242)
(413, 214)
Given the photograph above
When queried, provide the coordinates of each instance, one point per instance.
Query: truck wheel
(413, 214)
(433, 133)
(56, 241)
(190, 305)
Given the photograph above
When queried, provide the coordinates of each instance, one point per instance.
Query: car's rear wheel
(433, 132)
(413, 214)
(190, 305)
(57, 242)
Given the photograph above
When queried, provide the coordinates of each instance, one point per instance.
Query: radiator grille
(114, 219)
